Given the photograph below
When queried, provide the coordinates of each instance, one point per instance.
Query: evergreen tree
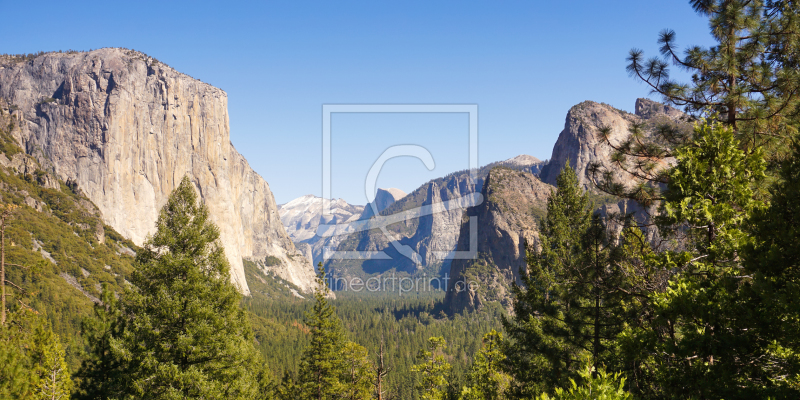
(597, 385)
(181, 332)
(18, 364)
(6, 212)
(322, 366)
(102, 371)
(700, 341)
(749, 80)
(571, 306)
(32, 362)
(773, 260)
(267, 388)
(749, 77)
(381, 371)
(486, 379)
(357, 373)
(288, 389)
(433, 370)
(55, 382)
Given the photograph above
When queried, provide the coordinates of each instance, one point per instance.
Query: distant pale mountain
(302, 216)
(521, 161)
(383, 199)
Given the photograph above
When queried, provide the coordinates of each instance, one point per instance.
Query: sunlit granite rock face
(580, 144)
(507, 224)
(127, 128)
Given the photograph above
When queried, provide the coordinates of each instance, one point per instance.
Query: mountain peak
(646, 108)
(522, 160)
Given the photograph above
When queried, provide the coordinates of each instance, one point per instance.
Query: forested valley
(698, 300)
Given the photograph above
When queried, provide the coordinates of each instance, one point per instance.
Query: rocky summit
(383, 199)
(579, 143)
(126, 128)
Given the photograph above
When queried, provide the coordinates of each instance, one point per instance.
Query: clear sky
(524, 63)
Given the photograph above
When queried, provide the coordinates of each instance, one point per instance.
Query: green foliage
(322, 366)
(598, 385)
(181, 332)
(572, 302)
(749, 76)
(271, 261)
(264, 284)
(331, 368)
(486, 379)
(773, 261)
(432, 370)
(8, 145)
(100, 373)
(76, 252)
(18, 364)
(711, 192)
(403, 324)
(32, 364)
(357, 374)
(703, 339)
(288, 389)
(54, 382)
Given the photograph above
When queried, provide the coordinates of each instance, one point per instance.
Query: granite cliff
(579, 143)
(383, 199)
(126, 128)
(513, 203)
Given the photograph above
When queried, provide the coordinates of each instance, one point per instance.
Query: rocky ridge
(507, 223)
(429, 236)
(514, 203)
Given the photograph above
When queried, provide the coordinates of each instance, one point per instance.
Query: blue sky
(525, 63)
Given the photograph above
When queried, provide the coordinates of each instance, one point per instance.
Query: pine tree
(381, 371)
(700, 341)
(18, 364)
(54, 381)
(571, 305)
(357, 372)
(433, 370)
(322, 367)
(32, 362)
(181, 330)
(773, 260)
(288, 389)
(6, 212)
(486, 379)
(748, 80)
(102, 371)
(750, 77)
(597, 384)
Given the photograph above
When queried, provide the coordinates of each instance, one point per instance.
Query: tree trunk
(596, 345)
(3, 267)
